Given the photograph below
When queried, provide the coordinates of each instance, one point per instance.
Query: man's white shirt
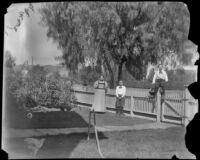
(158, 75)
(121, 91)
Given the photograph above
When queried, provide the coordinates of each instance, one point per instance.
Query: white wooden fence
(179, 107)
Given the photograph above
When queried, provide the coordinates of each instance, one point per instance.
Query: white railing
(177, 109)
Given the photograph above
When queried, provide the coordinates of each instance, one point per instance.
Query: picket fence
(179, 107)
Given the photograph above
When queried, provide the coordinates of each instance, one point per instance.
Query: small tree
(9, 60)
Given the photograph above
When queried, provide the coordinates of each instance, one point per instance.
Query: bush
(36, 90)
(58, 94)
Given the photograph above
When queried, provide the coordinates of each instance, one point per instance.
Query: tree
(63, 28)
(9, 60)
(21, 15)
(89, 74)
(117, 33)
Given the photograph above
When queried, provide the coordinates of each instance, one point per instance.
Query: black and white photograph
(97, 79)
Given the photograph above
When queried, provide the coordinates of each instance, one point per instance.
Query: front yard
(157, 143)
(148, 143)
(77, 118)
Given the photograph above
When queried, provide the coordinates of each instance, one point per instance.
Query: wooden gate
(175, 107)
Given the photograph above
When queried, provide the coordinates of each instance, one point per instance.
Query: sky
(30, 39)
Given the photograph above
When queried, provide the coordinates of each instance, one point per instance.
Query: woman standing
(101, 87)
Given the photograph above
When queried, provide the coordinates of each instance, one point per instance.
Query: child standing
(120, 98)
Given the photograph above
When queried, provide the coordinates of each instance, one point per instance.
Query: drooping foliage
(119, 33)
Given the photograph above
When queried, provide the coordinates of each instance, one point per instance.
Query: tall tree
(63, 28)
(129, 34)
(137, 33)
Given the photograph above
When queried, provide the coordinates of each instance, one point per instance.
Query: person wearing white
(160, 77)
(120, 97)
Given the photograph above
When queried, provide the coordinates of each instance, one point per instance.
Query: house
(63, 72)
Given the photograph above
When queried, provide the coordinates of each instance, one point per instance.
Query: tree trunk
(112, 78)
(120, 72)
(120, 69)
(112, 81)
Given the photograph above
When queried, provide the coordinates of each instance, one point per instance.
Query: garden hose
(97, 140)
(96, 133)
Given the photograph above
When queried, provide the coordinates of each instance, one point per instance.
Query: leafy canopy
(130, 33)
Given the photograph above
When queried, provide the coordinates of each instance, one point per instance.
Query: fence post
(190, 108)
(186, 107)
(132, 103)
(184, 122)
(158, 105)
(162, 109)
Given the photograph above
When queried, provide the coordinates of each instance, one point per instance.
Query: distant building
(63, 73)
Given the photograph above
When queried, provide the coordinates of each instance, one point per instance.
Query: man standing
(120, 98)
(160, 77)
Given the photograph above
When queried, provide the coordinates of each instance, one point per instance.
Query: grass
(157, 143)
(16, 118)
(40, 120)
(60, 119)
(146, 144)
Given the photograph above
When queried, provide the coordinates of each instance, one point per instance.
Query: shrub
(58, 94)
(35, 90)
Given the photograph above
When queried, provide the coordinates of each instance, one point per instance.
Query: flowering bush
(57, 93)
(35, 89)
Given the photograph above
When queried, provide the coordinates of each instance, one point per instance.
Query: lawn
(59, 119)
(154, 143)
(62, 119)
(157, 143)
(137, 144)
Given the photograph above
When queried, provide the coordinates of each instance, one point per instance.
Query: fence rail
(175, 107)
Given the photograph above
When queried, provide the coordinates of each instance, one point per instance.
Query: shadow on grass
(49, 120)
(16, 118)
(61, 146)
(57, 146)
